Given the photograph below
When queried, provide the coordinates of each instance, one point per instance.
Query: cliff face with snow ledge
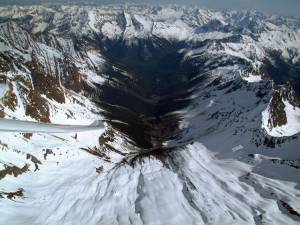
(201, 123)
(281, 118)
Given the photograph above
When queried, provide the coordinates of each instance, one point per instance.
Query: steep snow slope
(290, 128)
(196, 131)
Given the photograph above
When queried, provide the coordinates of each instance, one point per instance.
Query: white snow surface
(72, 192)
(92, 20)
(41, 27)
(111, 30)
(253, 78)
(3, 89)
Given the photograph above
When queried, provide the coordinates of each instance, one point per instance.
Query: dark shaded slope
(147, 83)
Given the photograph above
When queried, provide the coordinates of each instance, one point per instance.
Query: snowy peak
(63, 45)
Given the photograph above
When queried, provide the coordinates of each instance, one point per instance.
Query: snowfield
(203, 188)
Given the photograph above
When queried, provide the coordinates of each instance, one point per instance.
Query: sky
(282, 7)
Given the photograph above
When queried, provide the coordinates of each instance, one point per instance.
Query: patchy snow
(3, 89)
(282, 38)
(215, 35)
(91, 67)
(4, 47)
(175, 31)
(168, 12)
(145, 22)
(68, 47)
(95, 57)
(92, 20)
(111, 30)
(252, 78)
(49, 51)
(77, 110)
(237, 148)
(92, 77)
(292, 126)
(40, 27)
(211, 103)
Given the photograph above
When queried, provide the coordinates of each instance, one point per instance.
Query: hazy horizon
(287, 7)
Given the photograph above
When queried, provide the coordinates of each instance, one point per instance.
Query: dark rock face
(283, 71)
(278, 115)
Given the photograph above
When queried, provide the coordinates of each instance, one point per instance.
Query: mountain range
(201, 111)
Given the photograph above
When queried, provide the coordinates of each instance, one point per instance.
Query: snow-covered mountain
(201, 109)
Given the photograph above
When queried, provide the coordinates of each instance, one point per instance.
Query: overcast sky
(284, 7)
